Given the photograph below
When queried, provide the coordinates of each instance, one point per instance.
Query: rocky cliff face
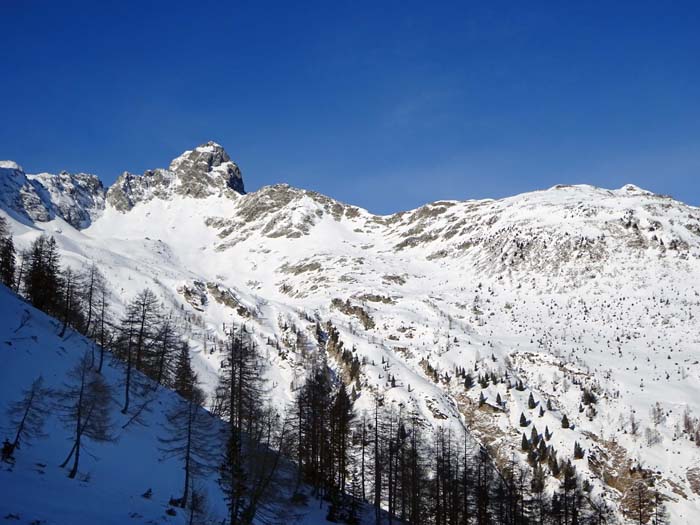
(199, 173)
(79, 198)
(76, 198)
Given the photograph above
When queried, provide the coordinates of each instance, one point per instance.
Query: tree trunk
(102, 335)
(187, 455)
(127, 386)
(78, 425)
(24, 418)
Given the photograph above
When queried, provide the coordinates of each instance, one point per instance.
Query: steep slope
(114, 476)
(76, 198)
(566, 289)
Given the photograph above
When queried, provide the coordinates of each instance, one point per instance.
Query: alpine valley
(574, 309)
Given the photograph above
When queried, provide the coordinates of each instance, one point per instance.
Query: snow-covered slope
(112, 476)
(566, 288)
(127, 480)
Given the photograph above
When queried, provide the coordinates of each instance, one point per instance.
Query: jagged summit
(213, 153)
(207, 159)
(204, 171)
(78, 198)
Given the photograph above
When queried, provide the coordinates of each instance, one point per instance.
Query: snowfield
(564, 289)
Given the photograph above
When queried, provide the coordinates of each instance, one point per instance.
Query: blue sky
(387, 105)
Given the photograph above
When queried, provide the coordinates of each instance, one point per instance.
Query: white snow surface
(10, 165)
(113, 476)
(574, 284)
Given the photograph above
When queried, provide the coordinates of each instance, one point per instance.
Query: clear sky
(386, 105)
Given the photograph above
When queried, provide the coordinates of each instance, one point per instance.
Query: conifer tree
(26, 417)
(537, 487)
(42, 281)
(640, 502)
(250, 460)
(69, 307)
(553, 463)
(531, 402)
(167, 340)
(101, 332)
(84, 406)
(468, 381)
(525, 444)
(184, 380)
(90, 289)
(188, 435)
(137, 336)
(7, 258)
(341, 419)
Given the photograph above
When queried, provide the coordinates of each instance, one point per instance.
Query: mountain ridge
(208, 169)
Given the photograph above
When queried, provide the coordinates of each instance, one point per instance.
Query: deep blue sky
(387, 107)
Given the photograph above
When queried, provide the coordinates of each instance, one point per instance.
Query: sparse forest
(386, 458)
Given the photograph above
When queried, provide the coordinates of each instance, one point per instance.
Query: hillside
(568, 289)
(114, 476)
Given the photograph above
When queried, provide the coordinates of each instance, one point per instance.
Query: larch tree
(7, 256)
(189, 432)
(137, 337)
(102, 333)
(42, 280)
(92, 283)
(84, 406)
(26, 417)
(167, 340)
(69, 308)
(249, 463)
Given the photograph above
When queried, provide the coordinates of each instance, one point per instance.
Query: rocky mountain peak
(207, 155)
(205, 165)
(198, 173)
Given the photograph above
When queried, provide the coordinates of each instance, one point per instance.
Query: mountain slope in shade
(113, 476)
(564, 289)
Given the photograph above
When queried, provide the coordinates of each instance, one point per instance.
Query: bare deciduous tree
(84, 405)
(26, 416)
